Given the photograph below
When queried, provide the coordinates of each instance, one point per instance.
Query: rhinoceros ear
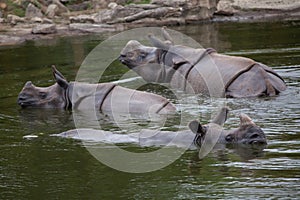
(158, 43)
(166, 35)
(221, 116)
(196, 127)
(245, 120)
(59, 78)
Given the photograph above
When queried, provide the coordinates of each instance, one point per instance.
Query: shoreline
(19, 33)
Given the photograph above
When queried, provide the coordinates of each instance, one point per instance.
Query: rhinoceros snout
(25, 101)
(256, 139)
(122, 58)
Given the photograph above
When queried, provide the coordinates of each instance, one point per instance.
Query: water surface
(56, 168)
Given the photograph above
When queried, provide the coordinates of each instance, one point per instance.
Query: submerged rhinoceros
(200, 71)
(248, 133)
(106, 97)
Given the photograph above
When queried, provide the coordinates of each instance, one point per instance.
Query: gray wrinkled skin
(107, 97)
(200, 71)
(248, 134)
(42, 97)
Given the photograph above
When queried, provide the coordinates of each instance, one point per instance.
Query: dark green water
(54, 168)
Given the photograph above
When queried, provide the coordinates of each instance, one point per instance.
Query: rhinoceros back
(133, 101)
(85, 96)
(110, 97)
(222, 75)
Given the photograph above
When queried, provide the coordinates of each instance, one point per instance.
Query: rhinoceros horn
(245, 120)
(60, 79)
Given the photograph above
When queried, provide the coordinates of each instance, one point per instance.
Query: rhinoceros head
(53, 96)
(247, 133)
(135, 54)
(160, 62)
(149, 62)
(144, 60)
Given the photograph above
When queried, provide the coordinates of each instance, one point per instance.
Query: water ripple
(269, 164)
(264, 51)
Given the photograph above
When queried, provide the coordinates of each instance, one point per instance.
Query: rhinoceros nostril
(255, 142)
(121, 58)
(22, 98)
(254, 136)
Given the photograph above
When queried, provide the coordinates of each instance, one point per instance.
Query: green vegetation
(71, 2)
(138, 2)
(144, 2)
(13, 7)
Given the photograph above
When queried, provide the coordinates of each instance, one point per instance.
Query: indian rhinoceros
(200, 71)
(248, 133)
(105, 97)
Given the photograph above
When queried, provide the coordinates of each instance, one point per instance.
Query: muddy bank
(54, 18)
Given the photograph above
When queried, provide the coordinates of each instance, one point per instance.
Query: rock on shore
(236, 6)
(44, 16)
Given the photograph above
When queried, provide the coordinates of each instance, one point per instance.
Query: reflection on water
(61, 168)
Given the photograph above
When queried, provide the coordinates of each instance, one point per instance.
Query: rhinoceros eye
(143, 55)
(43, 95)
(229, 138)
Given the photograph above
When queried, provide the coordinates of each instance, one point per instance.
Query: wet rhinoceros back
(110, 97)
(217, 75)
(88, 96)
(230, 67)
(244, 77)
(208, 73)
(134, 101)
